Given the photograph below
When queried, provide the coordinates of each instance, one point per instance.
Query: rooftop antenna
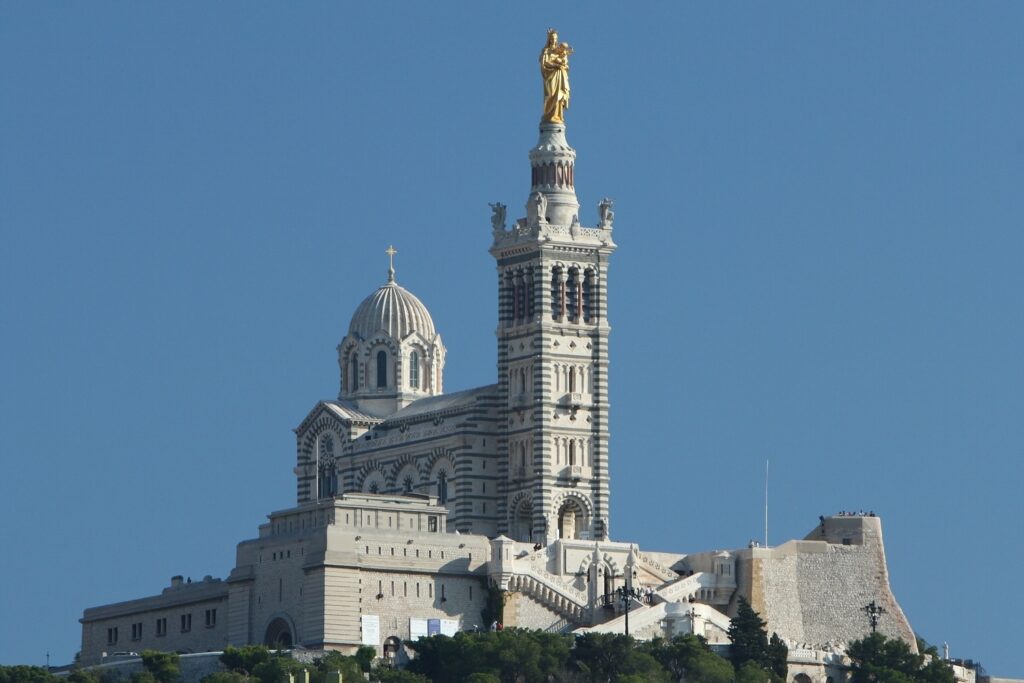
(766, 502)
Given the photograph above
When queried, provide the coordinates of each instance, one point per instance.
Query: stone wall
(182, 608)
(421, 596)
(814, 591)
(522, 611)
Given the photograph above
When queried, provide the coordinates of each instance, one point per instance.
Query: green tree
(244, 659)
(614, 658)
(777, 656)
(443, 659)
(95, 675)
(21, 673)
(689, 655)
(483, 678)
(143, 677)
(349, 667)
(164, 666)
(750, 643)
(926, 648)
(877, 659)
(385, 675)
(748, 636)
(76, 676)
(494, 605)
(601, 656)
(365, 656)
(226, 677)
(276, 669)
(752, 672)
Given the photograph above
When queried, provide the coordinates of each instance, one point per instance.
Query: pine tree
(748, 635)
(778, 654)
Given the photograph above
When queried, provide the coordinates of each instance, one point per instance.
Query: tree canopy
(750, 643)
(877, 659)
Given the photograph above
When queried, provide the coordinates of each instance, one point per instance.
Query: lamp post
(874, 612)
(626, 594)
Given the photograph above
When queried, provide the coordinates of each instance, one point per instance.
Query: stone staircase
(699, 586)
(657, 569)
(549, 591)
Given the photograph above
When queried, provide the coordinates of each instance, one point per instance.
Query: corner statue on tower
(554, 70)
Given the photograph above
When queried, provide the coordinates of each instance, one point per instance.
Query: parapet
(848, 530)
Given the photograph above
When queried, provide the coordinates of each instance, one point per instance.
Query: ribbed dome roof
(393, 309)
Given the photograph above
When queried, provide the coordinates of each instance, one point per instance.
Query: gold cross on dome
(391, 251)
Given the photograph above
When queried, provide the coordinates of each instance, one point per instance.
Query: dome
(395, 310)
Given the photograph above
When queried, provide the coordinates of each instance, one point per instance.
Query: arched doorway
(802, 678)
(522, 521)
(393, 651)
(279, 635)
(572, 520)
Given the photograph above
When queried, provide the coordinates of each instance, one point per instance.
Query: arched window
(353, 384)
(414, 370)
(588, 287)
(557, 294)
(382, 369)
(509, 293)
(517, 311)
(520, 297)
(572, 452)
(570, 290)
(572, 380)
(442, 487)
(327, 481)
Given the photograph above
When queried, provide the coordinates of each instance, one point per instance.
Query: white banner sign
(417, 629)
(449, 627)
(371, 629)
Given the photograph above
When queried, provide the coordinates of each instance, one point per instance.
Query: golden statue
(554, 70)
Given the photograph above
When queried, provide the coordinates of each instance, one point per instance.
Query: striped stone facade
(552, 360)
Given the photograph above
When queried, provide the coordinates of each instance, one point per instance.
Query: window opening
(442, 487)
(382, 369)
(414, 370)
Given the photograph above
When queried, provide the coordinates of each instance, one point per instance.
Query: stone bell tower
(553, 350)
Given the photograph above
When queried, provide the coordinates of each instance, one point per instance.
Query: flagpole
(766, 502)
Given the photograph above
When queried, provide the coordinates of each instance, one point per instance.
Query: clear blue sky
(819, 218)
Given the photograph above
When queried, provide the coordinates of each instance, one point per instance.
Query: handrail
(661, 570)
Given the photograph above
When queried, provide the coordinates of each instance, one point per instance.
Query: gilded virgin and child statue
(554, 70)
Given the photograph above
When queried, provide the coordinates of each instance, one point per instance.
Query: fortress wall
(814, 591)
(406, 595)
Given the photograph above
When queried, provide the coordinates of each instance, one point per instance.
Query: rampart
(814, 591)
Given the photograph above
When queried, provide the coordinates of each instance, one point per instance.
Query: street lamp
(874, 612)
(626, 595)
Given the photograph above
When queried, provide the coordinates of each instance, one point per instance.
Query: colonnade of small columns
(553, 174)
(572, 377)
(573, 294)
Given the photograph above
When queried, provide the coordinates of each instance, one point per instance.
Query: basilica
(414, 507)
